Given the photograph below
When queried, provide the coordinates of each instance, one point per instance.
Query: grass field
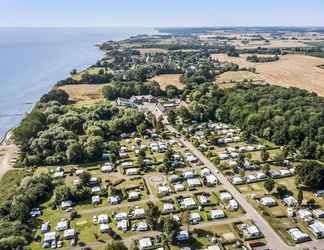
(168, 79)
(290, 71)
(152, 50)
(83, 92)
(237, 76)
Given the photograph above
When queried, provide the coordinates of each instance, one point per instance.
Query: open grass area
(290, 71)
(83, 92)
(168, 79)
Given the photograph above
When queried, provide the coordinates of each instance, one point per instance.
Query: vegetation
(262, 59)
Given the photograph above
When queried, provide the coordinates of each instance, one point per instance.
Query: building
(163, 190)
(45, 227)
(107, 167)
(290, 201)
(69, 234)
(104, 228)
(194, 182)
(268, 201)
(103, 219)
(233, 205)
(216, 214)
(121, 216)
(195, 218)
(50, 237)
(125, 102)
(168, 208)
(114, 200)
(237, 180)
(203, 199)
(297, 235)
(144, 243)
(142, 226)
(132, 171)
(318, 213)
(225, 196)
(211, 180)
(133, 196)
(66, 204)
(122, 225)
(179, 187)
(317, 228)
(62, 225)
(182, 236)
(95, 199)
(138, 213)
(189, 203)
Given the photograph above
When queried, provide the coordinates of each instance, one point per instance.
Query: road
(273, 239)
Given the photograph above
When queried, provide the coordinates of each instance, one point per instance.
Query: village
(159, 178)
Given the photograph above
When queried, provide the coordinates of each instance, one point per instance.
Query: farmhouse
(297, 235)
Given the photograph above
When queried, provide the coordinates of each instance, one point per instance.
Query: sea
(32, 60)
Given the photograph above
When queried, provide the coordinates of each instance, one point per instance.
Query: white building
(50, 237)
(62, 225)
(168, 208)
(268, 201)
(183, 235)
(290, 201)
(216, 214)
(104, 228)
(203, 199)
(237, 180)
(132, 171)
(189, 203)
(195, 218)
(142, 226)
(95, 199)
(225, 196)
(233, 205)
(297, 235)
(194, 182)
(103, 219)
(163, 190)
(211, 180)
(317, 228)
(134, 195)
(122, 225)
(179, 187)
(69, 234)
(114, 200)
(144, 243)
(121, 216)
(188, 174)
(138, 213)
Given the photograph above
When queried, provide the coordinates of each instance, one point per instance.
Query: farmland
(168, 79)
(290, 71)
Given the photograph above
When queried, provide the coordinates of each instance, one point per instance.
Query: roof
(317, 227)
(296, 234)
(145, 242)
(50, 236)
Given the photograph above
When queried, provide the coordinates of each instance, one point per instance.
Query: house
(35, 212)
(122, 225)
(104, 228)
(133, 196)
(213, 247)
(168, 208)
(290, 201)
(205, 172)
(237, 180)
(317, 228)
(261, 176)
(66, 204)
(79, 171)
(304, 214)
(318, 213)
(103, 219)
(297, 235)
(45, 227)
(251, 178)
(251, 231)
(164, 190)
(195, 182)
(284, 172)
(95, 190)
(179, 187)
(233, 205)
(188, 203)
(114, 200)
(268, 201)
(274, 173)
(95, 199)
(121, 216)
(144, 243)
(132, 171)
(69, 234)
(50, 237)
(195, 218)
(188, 174)
(62, 225)
(216, 214)
(125, 102)
(107, 167)
(203, 199)
(173, 178)
(142, 226)
(127, 164)
(138, 213)
(225, 196)
(211, 180)
(182, 236)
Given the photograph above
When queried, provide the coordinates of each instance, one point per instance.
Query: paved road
(273, 239)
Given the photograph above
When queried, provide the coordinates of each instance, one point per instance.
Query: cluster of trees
(15, 230)
(262, 59)
(128, 89)
(57, 134)
(285, 116)
(310, 174)
(102, 77)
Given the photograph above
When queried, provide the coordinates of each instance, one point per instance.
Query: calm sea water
(32, 60)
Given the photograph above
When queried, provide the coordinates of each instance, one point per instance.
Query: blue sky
(149, 13)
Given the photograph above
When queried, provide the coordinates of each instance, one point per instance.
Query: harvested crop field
(290, 71)
(168, 79)
(270, 44)
(83, 92)
(237, 76)
(152, 50)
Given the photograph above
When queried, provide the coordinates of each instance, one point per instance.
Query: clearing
(83, 92)
(168, 79)
(290, 71)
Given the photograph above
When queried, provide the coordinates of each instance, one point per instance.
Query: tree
(74, 153)
(172, 116)
(264, 154)
(116, 245)
(310, 174)
(58, 95)
(153, 215)
(167, 161)
(269, 184)
(300, 197)
(265, 168)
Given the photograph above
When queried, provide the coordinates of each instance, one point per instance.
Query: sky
(160, 13)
